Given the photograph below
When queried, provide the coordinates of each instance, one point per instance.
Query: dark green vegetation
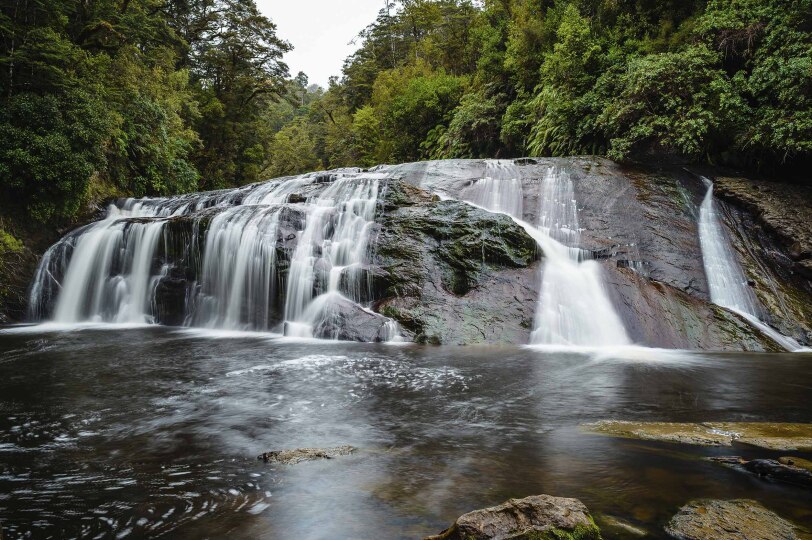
(720, 81)
(154, 97)
(131, 97)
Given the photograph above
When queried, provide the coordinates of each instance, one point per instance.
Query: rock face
(770, 435)
(733, 520)
(452, 273)
(770, 224)
(641, 224)
(539, 517)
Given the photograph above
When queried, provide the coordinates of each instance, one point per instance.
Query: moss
(580, 532)
(9, 244)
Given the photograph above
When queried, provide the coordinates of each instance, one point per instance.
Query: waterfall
(573, 307)
(332, 246)
(726, 279)
(500, 190)
(228, 261)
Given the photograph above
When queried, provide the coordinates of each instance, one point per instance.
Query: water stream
(726, 280)
(109, 270)
(573, 307)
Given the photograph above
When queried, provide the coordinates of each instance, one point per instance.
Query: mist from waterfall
(726, 279)
(109, 270)
(573, 308)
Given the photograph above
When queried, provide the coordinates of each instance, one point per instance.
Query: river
(133, 431)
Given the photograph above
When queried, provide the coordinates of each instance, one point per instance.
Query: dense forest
(102, 98)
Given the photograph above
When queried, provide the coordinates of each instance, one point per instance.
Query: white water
(726, 280)
(93, 289)
(573, 307)
(109, 271)
(332, 248)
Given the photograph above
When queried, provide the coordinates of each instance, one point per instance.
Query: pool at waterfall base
(132, 431)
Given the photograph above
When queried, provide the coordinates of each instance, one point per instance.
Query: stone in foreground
(732, 520)
(539, 517)
(771, 435)
(292, 457)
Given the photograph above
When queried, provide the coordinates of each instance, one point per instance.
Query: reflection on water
(143, 431)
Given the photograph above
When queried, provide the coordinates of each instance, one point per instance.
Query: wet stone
(771, 469)
(771, 435)
(298, 455)
(538, 517)
(732, 520)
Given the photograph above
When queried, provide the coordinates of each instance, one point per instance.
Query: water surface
(147, 430)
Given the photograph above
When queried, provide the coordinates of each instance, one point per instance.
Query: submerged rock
(772, 435)
(539, 517)
(771, 469)
(732, 520)
(292, 457)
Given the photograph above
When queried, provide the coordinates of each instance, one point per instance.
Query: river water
(134, 431)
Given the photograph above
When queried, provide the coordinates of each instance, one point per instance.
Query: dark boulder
(770, 469)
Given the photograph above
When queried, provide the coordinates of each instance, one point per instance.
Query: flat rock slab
(292, 457)
(774, 436)
(732, 520)
(539, 517)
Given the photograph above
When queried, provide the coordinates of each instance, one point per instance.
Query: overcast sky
(320, 31)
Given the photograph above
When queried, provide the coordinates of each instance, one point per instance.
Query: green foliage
(293, 150)
(49, 147)
(135, 97)
(675, 103)
(9, 244)
(154, 97)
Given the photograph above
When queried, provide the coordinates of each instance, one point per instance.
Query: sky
(320, 32)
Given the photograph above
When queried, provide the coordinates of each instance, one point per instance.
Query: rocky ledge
(771, 435)
(539, 517)
(781, 470)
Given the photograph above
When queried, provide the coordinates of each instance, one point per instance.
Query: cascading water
(500, 190)
(109, 271)
(573, 307)
(726, 280)
(332, 247)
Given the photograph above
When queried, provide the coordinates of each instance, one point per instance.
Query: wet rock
(345, 320)
(770, 469)
(294, 198)
(774, 436)
(661, 315)
(732, 520)
(452, 273)
(298, 455)
(539, 517)
(796, 462)
(638, 214)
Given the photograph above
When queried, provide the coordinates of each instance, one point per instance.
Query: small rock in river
(538, 516)
(732, 520)
(292, 457)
